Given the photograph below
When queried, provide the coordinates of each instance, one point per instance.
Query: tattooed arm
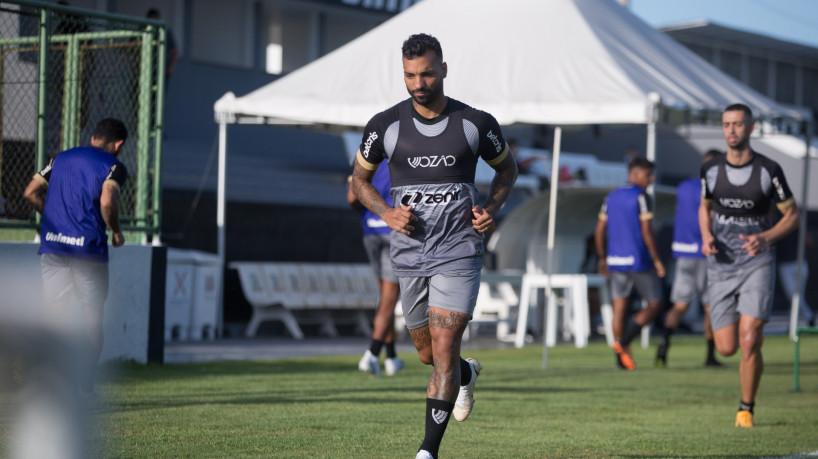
(504, 178)
(398, 218)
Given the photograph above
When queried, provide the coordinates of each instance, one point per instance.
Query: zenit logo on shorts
(417, 197)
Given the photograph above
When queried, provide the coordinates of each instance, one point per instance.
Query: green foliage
(581, 406)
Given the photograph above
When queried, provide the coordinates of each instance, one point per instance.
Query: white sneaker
(369, 364)
(423, 454)
(465, 399)
(393, 366)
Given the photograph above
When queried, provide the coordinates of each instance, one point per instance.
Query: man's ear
(118, 146)
(445, 69)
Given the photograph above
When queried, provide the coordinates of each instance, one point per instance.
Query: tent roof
(558, 62)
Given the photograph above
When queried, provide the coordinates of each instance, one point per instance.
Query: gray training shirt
(432, 165)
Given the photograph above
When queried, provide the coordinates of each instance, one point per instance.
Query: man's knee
(425, 356)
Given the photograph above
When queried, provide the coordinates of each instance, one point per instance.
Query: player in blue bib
(626, 247)
(690, 275)
(78, 195)
(376, 243)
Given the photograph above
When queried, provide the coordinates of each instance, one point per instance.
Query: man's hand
(602, 268)
(483, 220)
(660, 268)
(754, 244)
(400, 219)
(118, 240)
(709, 245)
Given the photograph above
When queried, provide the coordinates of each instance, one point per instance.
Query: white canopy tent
(556, 62)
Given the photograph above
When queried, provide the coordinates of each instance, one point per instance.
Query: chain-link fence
(62, 70)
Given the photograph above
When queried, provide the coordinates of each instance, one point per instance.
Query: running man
(738, 237)
(376, 244)
(432, 144)
(78, 195)
(626, 247)
(690, 276)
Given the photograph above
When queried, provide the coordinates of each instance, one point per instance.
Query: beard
(431, 95)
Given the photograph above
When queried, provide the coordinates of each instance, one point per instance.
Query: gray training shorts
(377, 250)
(454, 290)
(62, 276)
(689, 278)
(733, 294)
(646, 284)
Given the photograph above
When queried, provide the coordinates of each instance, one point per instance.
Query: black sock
(711, 346)
(465, 372)
(742, 406)
(667, 333)
(390, 350)
(375, 347)
(633, 330)
(438, 413)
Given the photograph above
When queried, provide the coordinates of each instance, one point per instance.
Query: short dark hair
(740, 107)
(153, 13)
(111, 130)
(417, 45)
(711, 154)
(640, 163)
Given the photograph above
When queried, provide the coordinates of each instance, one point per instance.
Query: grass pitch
(323, 407)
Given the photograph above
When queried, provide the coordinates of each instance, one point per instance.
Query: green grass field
(580, 407)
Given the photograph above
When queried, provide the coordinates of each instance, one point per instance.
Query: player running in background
(376, 244)
(690, 276)
(626, 247)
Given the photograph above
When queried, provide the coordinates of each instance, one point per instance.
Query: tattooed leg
(446, 329)
(423, 343)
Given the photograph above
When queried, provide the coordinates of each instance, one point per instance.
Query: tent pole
(220, 206)
(802, 237)
(552, 221)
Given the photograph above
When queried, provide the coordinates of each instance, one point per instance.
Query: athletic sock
(438, 413)
(375, 347)
(743, 406)
(711, 346)
(667, 333)
(633, 330)
(465, 372)
(390, 350)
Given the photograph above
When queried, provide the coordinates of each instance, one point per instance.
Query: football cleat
(465, 399)
(744, 418)
(369, 364)
(624, 357)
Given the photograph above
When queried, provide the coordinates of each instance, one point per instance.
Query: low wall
(134, 312)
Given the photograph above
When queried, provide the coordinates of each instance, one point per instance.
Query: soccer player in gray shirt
(432, 144)
(737, 237)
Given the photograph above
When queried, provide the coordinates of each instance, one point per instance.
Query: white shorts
(63, 276)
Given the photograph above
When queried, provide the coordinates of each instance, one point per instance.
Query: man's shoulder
(389, 115)
(765, 161)
(470, 113)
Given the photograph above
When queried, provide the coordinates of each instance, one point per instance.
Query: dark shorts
(646, 284)
(377, 250)
(454, 290)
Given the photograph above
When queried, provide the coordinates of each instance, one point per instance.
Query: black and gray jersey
(432, 165)
(742, 197)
